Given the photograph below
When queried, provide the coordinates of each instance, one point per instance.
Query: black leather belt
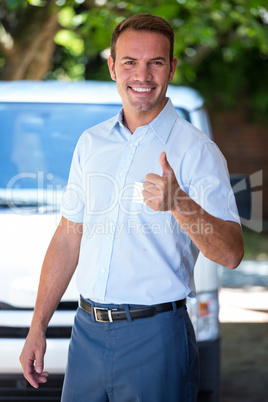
(102, 314)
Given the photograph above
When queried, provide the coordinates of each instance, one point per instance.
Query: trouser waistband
(103, 314)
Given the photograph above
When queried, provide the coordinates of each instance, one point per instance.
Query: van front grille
(14, 387)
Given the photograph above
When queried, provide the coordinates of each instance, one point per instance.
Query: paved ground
(244, 318)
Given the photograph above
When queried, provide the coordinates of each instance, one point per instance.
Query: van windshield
(37, 141)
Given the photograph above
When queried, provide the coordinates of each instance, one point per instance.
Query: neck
(133, 119)
(133, 122)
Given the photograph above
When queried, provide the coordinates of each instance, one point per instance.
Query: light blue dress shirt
(130, 253)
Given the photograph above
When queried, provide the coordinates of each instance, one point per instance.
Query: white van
(40, 123)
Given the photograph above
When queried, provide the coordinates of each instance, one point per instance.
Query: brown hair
(144, 22)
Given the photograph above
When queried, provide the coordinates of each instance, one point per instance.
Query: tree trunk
(33, 44)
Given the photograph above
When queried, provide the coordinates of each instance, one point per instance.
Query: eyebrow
(153, 59)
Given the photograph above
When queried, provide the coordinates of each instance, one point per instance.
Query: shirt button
(121, 174)
(103, 270)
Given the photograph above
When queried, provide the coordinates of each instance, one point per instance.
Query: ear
(173, 68)
(111, 66)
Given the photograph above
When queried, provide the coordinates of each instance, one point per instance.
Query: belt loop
(174, 307)
(126, 307)
(92, 310)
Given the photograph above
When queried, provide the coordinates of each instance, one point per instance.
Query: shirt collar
(114, 121)
(161, 125)
(164, 122)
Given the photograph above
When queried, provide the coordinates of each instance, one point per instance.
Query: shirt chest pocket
(100, 191)
(145, 219)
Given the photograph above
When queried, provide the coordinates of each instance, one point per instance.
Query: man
(132, 339)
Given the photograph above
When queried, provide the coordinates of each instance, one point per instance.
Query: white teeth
(142, 89)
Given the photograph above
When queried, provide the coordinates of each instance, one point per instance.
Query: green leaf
(71, 41)
(66, 17)
(38, 3)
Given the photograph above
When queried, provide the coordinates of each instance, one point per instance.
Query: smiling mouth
(142, 89)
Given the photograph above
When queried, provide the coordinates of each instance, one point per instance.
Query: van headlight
(204, 313)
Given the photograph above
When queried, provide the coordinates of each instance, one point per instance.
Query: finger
(41, 378)
(153, 204)
(153, 178)
(35, 379)
(152, 201)
(29, 373)
(152, 188)
(31, 378)
(148, 195)
(32, 375)
(166, 168)
(39, 363)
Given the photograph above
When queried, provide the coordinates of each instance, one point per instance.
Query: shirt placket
(108, 239)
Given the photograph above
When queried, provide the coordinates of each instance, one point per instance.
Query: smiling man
(142, 68)
(132, 338)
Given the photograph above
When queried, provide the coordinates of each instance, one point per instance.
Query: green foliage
(71, 41)
(255, 245)
(222, 45)
(15, 4)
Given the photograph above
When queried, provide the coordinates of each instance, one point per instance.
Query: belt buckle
(104, 309)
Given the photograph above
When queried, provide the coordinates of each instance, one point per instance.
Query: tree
(27, 39)
(32, 30)
(219, 43)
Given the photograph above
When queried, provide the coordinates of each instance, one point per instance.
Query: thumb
(39, 364)
(166, 168)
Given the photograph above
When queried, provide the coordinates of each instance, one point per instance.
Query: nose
(143, 72)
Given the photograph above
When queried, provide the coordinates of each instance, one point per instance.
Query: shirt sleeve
(73, 197)
(208, 182)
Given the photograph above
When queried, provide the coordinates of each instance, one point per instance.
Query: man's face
(142, 70)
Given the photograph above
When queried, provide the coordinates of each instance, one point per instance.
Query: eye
(129, 62)
(157, 63)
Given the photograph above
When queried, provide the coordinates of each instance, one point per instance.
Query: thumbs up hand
(166, 168)
(160, 192)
